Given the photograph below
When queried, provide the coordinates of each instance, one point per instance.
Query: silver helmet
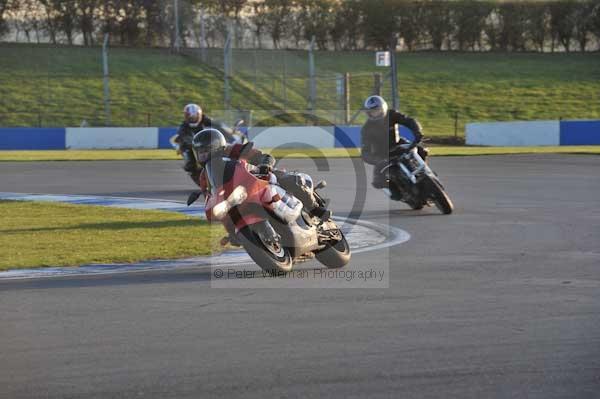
(192, 113)
(376, 107)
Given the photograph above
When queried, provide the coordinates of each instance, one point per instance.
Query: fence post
(312, 92)
(377, 84)
(254, 63)
(394, 71)
(106, 86)
(227, 71)
(284, 81)
(456, 124)
(347, 98)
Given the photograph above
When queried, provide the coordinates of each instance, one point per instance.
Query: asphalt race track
(500, 299)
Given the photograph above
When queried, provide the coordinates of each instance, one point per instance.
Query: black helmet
(268, 160)
(206, 143)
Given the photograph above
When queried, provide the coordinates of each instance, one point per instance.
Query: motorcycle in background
(412, 181)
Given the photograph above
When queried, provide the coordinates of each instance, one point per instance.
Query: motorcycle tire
(416, 206)
(270, 260)
(335, 256)
(441, 200)
(395, 191)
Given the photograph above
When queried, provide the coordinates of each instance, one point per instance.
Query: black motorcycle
(412, 181)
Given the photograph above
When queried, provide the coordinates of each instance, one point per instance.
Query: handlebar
(403, 148)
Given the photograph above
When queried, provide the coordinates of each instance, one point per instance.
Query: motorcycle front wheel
(438, 195)
(336, 255)
(271, 258)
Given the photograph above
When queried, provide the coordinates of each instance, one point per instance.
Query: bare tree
(437, 22)
(469, 20)
(277, 14)
(259, 20)
(345, 32)
(583, 21)
(5, 5)
(380, 23)
(409, 22)
(316, 17)
(562, 24)
(230, 9)
(538, 24)
(595, 23)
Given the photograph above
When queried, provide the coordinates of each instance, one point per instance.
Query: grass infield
(35, 234)
(115, 155)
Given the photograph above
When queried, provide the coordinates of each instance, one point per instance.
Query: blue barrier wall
(497, 133)
(164, 134)
(24, 138)
(349, 136)
(580, 133)
(522, 134)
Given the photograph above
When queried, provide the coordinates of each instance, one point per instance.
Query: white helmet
(192, 113)
(376, 107)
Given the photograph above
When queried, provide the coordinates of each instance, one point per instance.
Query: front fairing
(249, 211)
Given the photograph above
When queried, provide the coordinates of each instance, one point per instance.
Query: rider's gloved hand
(418, 137)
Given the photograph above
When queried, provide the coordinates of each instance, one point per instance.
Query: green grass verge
(468, 151)
(115, 155)
(149, 87)
(34, 234)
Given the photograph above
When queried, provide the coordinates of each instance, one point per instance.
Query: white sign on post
(382, 58)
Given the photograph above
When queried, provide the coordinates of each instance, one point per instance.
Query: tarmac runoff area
(500, 299)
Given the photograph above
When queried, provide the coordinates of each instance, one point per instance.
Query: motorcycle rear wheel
(335, 256)
(271, 260)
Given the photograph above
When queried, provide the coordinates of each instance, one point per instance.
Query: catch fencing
(149, 87)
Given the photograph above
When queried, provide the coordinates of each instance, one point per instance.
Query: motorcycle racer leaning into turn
(380, 136)
(210, 144)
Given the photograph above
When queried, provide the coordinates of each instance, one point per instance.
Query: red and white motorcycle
(270, 223)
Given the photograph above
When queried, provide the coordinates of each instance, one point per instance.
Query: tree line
(465, 25)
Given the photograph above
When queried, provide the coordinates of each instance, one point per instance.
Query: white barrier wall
(513, 133)
(292, 136)
(111, 137)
